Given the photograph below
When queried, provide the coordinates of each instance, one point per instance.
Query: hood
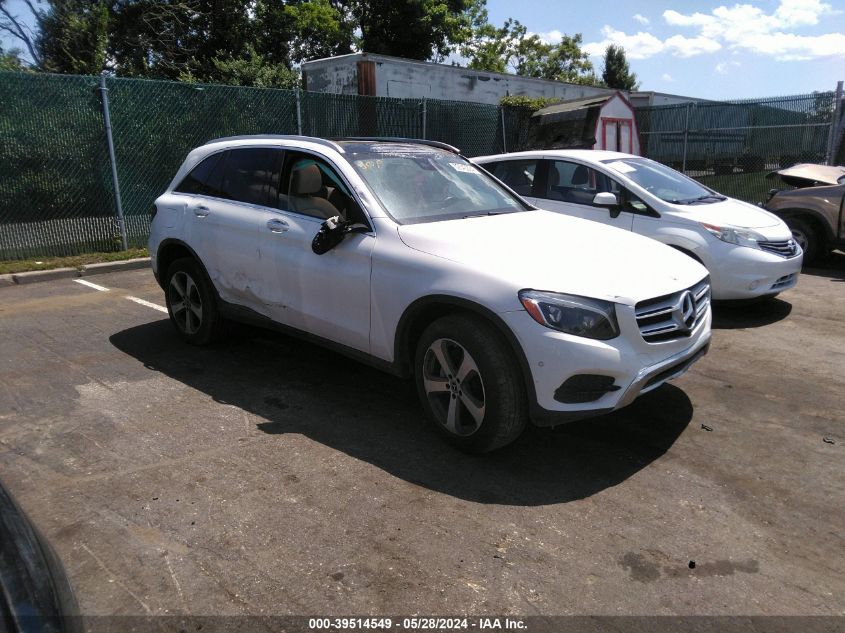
(549, 251)
(810, 175)
(729, 212)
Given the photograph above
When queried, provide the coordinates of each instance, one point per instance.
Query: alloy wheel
(185, 302)
(454, 387)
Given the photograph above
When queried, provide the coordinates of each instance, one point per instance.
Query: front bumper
(635, 366)
(747, 273)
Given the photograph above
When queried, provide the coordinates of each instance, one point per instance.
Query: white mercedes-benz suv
(407, 256)
(749, 252)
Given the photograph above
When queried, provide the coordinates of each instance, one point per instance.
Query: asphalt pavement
(264, 475)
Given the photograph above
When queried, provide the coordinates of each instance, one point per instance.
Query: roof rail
(279, 137)
(399, 139)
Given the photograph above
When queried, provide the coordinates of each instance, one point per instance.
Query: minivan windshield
(418, 183)
(661, 181)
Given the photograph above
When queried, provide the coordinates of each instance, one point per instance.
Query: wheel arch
(424, 311)
(687, 252)
(168, 252)
(816, 219)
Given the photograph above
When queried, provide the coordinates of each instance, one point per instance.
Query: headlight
(735, 235)
(581, 316)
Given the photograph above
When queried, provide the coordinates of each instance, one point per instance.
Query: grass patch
(73, 261)
(751, 187)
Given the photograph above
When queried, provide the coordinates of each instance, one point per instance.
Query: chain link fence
(732, 146)
(57, 194)
(56, 190)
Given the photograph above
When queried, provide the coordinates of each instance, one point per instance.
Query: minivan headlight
(580, 316)
(735, 235)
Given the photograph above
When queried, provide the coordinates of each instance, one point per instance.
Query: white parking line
(90, 285)
(149, 304)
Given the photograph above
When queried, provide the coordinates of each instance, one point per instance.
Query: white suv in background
(749, 252)
(407, 256)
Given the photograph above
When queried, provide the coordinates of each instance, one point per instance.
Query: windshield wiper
(709, 196)
(481, 215)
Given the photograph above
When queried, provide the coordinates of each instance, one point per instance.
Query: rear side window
(576, 183)
(516, 174)
(205, 178)
(246, 175)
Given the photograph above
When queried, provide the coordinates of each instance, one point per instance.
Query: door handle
(201, 211)
(277, 226)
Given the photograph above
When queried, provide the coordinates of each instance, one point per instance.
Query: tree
(250, 70)
(616, 73)
(231, 40)
(17, 28)
(312, 29)
(10, 60)
(415, 29)
(511, 47)
(74, 37)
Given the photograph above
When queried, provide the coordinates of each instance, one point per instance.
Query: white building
(383, 76)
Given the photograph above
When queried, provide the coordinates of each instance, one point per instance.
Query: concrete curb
(44, 275)
(34, 276)
(113, 267)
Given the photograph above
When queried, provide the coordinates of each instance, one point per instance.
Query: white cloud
(637, 46)
(641, 19)
(740, 27)
(667, 78)
(682, 46)
(724, 67)
(550, 37)
(746, 27)
(802, 12)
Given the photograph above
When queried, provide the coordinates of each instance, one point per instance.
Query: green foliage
(616, 73)
(317, 29)
(239, 41)
(10, 60)
(530, 103)
(74, 37)
(511, 47)
(415, 29)
(252, 70)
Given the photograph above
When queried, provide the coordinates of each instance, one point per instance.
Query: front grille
(671, 316)
(786, 248)
(784, 281)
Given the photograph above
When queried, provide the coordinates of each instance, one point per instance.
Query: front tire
(192, 303)
(469, 384)
(807, 237)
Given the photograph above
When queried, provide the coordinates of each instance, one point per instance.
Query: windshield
(663, 182)
(422, 184)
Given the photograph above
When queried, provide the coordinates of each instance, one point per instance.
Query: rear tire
(192, 302)
(808, 238)
(469, 384)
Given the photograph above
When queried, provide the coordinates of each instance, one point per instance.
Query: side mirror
(609, 200)
(332, 232)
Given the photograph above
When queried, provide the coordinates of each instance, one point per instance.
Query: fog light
(753, 285)
(585, 388)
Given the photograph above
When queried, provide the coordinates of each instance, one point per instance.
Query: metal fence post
(832, 135)
(504, 133)
(423, 117)
(104, 93)
(686, 138)
(298, 114)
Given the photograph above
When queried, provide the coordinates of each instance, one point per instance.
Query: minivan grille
(785, 248)
(673, 316)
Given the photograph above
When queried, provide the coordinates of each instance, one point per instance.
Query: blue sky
(715, 50)
(754, 48)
